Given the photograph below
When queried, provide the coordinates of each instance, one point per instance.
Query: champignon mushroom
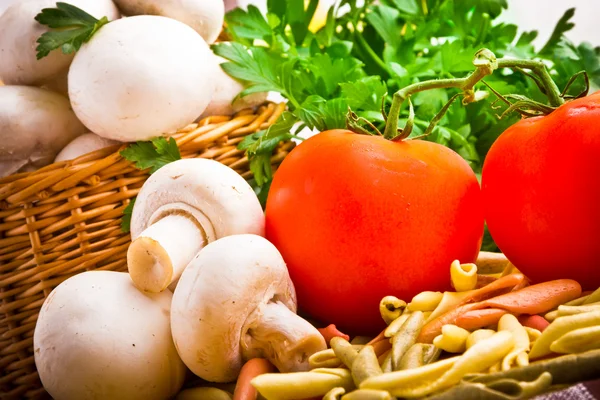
(35, 124)
(204, 16)
(224, 101)
(236, 301)
(181, 208)
(19, 32)
(141, 77)
(83, 144)
(98, 337)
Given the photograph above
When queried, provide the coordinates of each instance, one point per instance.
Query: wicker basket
(65, 218)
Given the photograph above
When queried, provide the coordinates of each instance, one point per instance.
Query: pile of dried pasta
(495, 337)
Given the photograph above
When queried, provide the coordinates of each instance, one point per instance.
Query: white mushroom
(180, 209)
(204, 16)
(35, 124)
(19, 32)
(83, 144)
(226, 91)
(235, 301)
(98, 337)
(141, 77)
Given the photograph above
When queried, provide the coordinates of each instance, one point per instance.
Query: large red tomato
(359, 217)
(541, 192)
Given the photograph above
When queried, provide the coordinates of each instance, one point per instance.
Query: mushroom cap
(19, 32)
(226, 91)
(204, 16)
(35, 124)
(228, 280)
(141, 77)
(83, 144)
(98, 337)
(217, 191)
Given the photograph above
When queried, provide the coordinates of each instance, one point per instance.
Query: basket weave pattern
(66, 218)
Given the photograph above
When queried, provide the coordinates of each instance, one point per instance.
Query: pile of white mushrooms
(205, 290)
(137, 78)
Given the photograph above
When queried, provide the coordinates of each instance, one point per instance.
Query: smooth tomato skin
(542, 197)
(358, 218)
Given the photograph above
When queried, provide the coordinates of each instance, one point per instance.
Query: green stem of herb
(483, 29)
(365, 46)
(485, 64)
(424, 7)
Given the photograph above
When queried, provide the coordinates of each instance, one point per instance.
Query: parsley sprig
(374, 48)
(150, 155)
(72, 28)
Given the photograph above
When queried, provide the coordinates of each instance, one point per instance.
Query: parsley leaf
(76, 28)
(127, 212)
(154, 155)
(563, 25)
(259, 146)
(249, 24)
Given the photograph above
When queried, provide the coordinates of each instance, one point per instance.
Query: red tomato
(358, 217)
(542, 197)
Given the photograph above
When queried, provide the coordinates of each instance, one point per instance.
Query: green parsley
(72, 28)
(153, 155)
(150, 155)
(379, 47)
(127, 211)
(260, 145)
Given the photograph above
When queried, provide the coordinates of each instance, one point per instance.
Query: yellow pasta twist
(463, 276)
(478, 336)
(391, 308)
(518, 356)
(578, 341)
(300, 385)
(560, 327)
(425, 301)
(453, 339)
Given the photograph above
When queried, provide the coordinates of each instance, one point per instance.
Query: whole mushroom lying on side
(35, 124)
(235, 301)
(180, 209)
(98, 337)
(83, 144)
(204, 16)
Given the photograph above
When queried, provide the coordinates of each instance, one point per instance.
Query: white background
(540, 15)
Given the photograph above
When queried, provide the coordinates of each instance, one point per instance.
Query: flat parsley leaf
(249, 24)
(76, 28)
(153, 155)
(127, 212)
(259, 146)
(564, 25)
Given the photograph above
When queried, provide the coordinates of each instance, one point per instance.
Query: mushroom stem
(278, 334)
(159, 255)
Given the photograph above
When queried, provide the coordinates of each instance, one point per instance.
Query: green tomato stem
(539, 69)
(485, 63)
